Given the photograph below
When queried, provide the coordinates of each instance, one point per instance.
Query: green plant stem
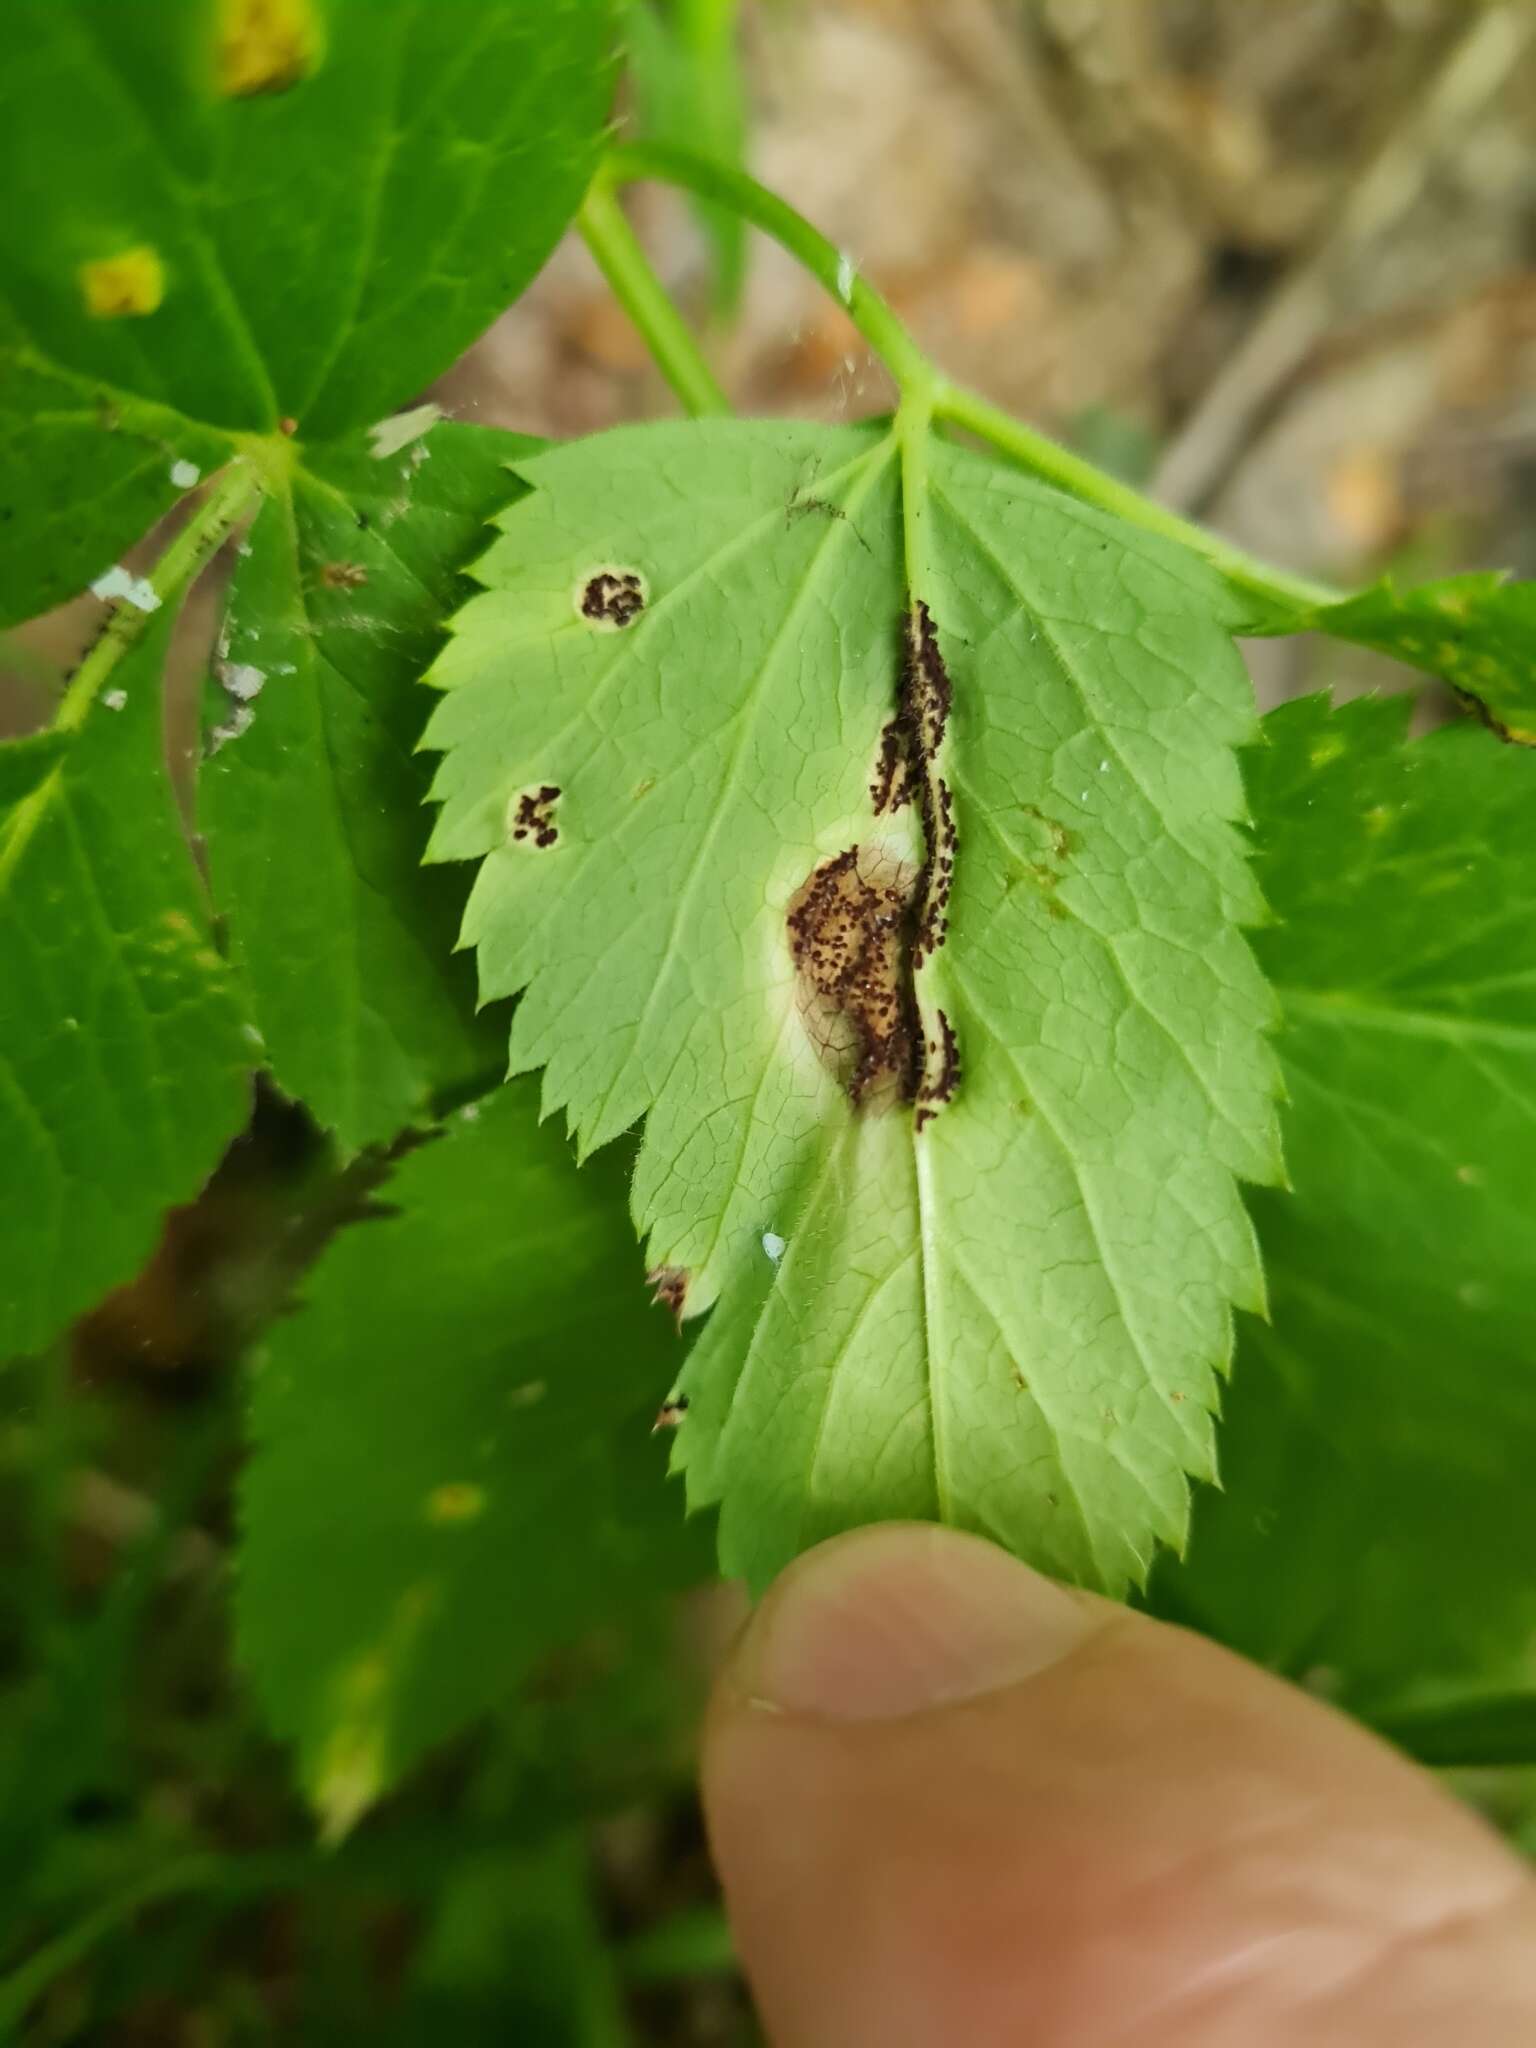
(923, 386)
(617, 252)
(232, 494)
(810, 248)
(412, 1859)
(20, 1991)
(913, 425)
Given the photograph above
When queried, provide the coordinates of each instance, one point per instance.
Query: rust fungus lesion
(531, 816)
(889, 786)
(266, 45)
(127, 286)
(343, 575)
(865, 922)
(923, 708)
(669, 1289)
(850, 937)
(670, 1414)
(941, 1070)
(1501, 728)
(611, 598)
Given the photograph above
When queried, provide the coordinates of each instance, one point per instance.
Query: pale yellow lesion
(355, 1761)
(458, 1500)
(125, 286)
(266, 45)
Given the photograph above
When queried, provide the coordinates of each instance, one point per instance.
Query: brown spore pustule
(612, 598)
(941, 1071)
(533, 818)
(669, 1288)
(850, 937)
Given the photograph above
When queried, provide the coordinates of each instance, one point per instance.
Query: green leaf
(515, 1952)
(224, 214)
(453, 1467)
(685, 59)
(1370, 1523)
(1488, 1731)
(1477, 633)
(311, 800)
(83, 473)
(123, 1064)
(1004, 1303)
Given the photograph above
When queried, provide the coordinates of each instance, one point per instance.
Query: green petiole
(924, 389)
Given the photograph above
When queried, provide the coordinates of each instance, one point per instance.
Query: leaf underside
(1371, 1526)
(460, 1474)
(122, 1055)
(312, 797)
(957, 1179)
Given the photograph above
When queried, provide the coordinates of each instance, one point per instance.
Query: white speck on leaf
(251, 1035)
(135, 590)
(243, 680)
(184, 475)
(238, 721)
(401, 429)
(470, 1113)
(845, 277)
(114, 699)
(773, 1245)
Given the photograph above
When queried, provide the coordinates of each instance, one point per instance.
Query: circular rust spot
(531, 816)
(611, 598)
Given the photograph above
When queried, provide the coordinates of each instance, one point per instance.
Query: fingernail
(901, 1618)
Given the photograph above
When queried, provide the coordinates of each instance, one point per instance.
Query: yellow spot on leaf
(123, 287)
(1326, 750)
(352, 1774)
(458, 1501)
(1378, 818)
(266, 45)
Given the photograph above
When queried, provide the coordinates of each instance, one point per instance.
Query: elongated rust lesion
(864, 922)
(941, 1070)
(922, 719)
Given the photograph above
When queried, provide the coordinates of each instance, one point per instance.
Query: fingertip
(901, 1618)
(950, 1800)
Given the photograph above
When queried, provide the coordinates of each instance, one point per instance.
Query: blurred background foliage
(1278, 262)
